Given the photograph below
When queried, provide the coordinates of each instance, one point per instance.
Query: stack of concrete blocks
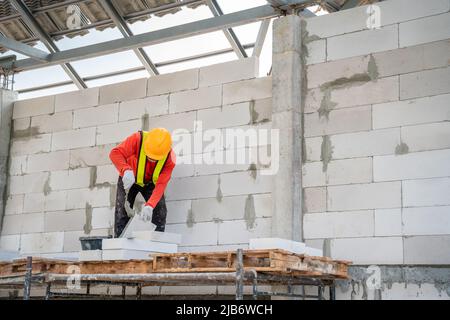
(284, 244)
(376, 173)
(139, 245)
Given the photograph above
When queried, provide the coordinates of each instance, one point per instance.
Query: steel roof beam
(22, 48)
(154, 37)
(262, 33)
(31, 22)
(229, 33)
(123, 27)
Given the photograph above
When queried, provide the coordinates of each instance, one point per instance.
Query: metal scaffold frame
(240, 278)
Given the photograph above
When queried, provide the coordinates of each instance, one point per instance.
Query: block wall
(62, 184)
(376, 174)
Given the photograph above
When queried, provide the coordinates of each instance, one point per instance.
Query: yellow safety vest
(142, 164)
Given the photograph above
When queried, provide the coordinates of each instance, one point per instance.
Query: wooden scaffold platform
(238, 268)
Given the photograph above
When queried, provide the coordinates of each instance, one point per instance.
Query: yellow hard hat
(157, 144)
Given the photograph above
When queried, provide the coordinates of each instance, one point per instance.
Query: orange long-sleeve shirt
(125, 157)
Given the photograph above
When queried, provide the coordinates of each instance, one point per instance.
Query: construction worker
(145, 161)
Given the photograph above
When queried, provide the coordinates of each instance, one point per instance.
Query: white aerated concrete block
(364, 196)
(226, 116)
(249, 182)
(118, 254)
(34, 107)
(93, 156)
(107, 174)
(241, 231)
(102, 218)
(138, 245)
(92, 117)
(425, 83)
(10, 243)
(349, 224)
(18, 165)
(73, 139)
(277, 243)
(339, 121)
(80, 198)
(346, 171)
(36, 144)
(363, 144)
(426, 221)
(173, 82)
(412, 59)
(427, 250)
(41, 242)
(388, 222)
(34, 202)
(427, 136)
(21, 124)
(23, 223)
(137, 224)
(70, 179)
(28, 183)
(60, 121)
(171, 122)
(383, 250)
(123, 91)
(90, 255)
(229, 208)
(76, 99)
(116, 133)
(315, 199)
(151, 106)
(72, 220)
(313, 252)
(369, 41)
(195, 99)
(432, 164)
(322, 73)
(52, 161)
(358, 94)
(426, 192)
(219, 248)
(177, 211)
(410, 112)
(241, 69)
(197, 234)
(157, 236)
(425, 30)
(317, 52)
(55, 201)
(193, 187)
(247, 90)
(14, 204)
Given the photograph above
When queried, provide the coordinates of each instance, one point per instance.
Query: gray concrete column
(7, 99)
(287, 117)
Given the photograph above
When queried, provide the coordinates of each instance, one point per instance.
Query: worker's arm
(123, 151)
(163, 180)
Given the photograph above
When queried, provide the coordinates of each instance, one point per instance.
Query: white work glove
(128, 179)
(146, 213)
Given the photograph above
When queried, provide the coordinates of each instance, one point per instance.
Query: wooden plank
(272, 261)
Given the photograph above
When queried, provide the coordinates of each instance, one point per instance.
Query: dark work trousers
(121, 216)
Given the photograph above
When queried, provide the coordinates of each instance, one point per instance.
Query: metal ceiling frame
(31, 22)
(229, 33)
(219, 22)
(123, 27)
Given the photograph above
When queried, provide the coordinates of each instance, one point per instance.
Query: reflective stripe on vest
(142, 162)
